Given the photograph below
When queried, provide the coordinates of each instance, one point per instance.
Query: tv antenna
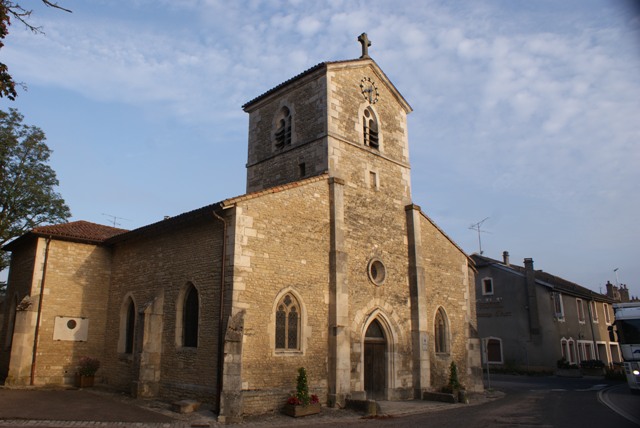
(114, 219)
(476, 227)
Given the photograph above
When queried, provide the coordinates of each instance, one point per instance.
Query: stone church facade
(325, 263)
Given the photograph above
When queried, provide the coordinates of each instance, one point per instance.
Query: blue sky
(526, 112)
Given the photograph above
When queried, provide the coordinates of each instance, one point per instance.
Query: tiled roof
(78, 231)
(296, 77)
(329, 64)
(543, 278)
(205, 212)
(81, 230)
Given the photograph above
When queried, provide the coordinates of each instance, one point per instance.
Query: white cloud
(505, 102)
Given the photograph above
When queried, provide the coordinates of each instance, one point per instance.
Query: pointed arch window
(130, 325)
(126, 341)
(441, 329)
(190, 317)
(288, 323)
(283, 128)
(370, 129)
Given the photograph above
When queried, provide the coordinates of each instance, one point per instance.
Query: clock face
(369, 90)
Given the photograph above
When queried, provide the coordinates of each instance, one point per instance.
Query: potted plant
(454, 386)
(87, 369)
(301, 403)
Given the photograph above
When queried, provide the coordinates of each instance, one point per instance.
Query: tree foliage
(10, 9)
(27, 184)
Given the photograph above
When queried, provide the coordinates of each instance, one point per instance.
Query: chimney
(532, 301)
(505, 257)
(624, 293)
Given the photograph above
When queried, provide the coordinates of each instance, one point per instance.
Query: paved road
(539, 402)
(514, 401)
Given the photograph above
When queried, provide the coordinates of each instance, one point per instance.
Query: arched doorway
(375, 362)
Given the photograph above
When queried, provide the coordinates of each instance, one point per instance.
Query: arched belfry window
(283, 128)
(190, 317)
(441, 331)
(288, 323)
(130, 325)
(370, 128)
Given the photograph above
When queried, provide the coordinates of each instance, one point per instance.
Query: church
(325, 263)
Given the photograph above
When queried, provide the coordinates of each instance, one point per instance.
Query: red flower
(293, 400)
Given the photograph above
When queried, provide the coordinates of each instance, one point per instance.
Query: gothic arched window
(130, 325)
(370, 129)
(288, 323)
(283, 128)
(190, 317)
(441, 328)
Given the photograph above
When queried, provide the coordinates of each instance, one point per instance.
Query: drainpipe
(40, 299)
(593, 334)
(221, 310)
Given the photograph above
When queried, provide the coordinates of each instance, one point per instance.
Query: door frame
(390, 340)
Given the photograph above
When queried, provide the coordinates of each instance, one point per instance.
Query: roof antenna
(113, 219)
(476, 227)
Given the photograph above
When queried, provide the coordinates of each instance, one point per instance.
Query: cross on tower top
(364, 40)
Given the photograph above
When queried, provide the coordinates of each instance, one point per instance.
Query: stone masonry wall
(268, 165)
(76, 285)
(377, 188)
(282, 245)
(450, 285)
(18, 286)
(161, 265)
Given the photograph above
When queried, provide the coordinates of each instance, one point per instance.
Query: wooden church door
(375, 362)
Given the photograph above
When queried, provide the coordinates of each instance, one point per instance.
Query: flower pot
(300, 410)
(84, 381)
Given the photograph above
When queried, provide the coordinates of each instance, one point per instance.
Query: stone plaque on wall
(71, 328)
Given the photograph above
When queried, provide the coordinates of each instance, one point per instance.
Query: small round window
(71, 324)
(377, 272)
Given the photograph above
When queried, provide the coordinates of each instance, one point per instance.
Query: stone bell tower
(344, 118)
(347, 120)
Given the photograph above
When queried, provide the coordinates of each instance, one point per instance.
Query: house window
(441, 330)
(586, 351)
(594, 311)
(558, 306)
(283, 128)
(487, 286)
(190, 318)
(580, 308)
(564, 346)
(370, 129)
(607, 316)
(571, 351)
(288, 324)
(615, 353)
(302, 169)
(493, 349)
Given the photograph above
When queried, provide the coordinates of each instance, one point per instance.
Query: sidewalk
(96, 407)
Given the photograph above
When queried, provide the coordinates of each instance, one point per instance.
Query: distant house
(530, 319)
(620, 294)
